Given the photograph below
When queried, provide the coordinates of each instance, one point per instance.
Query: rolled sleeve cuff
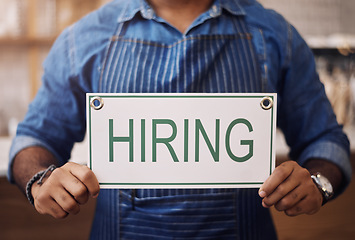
(331, 152)
(21, 142)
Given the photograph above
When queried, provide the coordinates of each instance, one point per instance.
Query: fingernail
(262, 194)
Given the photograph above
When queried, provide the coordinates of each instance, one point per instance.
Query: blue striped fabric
(209, 64)
(179, 216)
(182, 214)
(137, 66)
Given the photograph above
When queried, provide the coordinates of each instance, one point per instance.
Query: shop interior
(28, 28)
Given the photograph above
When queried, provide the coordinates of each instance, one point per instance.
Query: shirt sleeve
(56, 117)
(305, 114)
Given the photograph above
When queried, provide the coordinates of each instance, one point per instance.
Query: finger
(65, 201)
(310, 204)
(54, 197)
(276, 178)
(63, 179)
(76, 189)
(47, 205)
(86, 176)
(281, 191)
(290, 200)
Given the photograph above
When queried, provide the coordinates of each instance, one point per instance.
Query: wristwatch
(324, 186)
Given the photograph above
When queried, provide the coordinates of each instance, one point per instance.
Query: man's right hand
(65, 190)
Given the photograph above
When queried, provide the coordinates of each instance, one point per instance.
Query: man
(180, 46)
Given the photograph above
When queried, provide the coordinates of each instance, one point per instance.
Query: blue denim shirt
(56, 117)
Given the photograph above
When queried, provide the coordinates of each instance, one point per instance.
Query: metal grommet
(97, 103)
(266, 103)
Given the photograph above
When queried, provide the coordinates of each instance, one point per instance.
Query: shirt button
(149, 13)
(214, 12)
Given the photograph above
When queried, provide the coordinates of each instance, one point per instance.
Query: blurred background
(28, 28)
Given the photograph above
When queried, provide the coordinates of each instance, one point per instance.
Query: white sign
(181, 140)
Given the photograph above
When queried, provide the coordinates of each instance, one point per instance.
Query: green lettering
(186, 140)
(166, 141)
(214, 152)
(113, 139)
(249, 143)
(142, 140)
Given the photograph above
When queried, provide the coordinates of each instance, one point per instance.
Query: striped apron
(208, 64)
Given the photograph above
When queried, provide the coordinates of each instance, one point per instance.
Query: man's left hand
(291, 189)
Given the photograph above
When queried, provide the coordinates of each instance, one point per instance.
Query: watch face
(325, 184)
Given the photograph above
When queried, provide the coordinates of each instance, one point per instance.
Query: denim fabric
(77, 64)
(232, 214)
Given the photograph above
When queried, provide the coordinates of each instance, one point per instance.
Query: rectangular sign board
(181, 140)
